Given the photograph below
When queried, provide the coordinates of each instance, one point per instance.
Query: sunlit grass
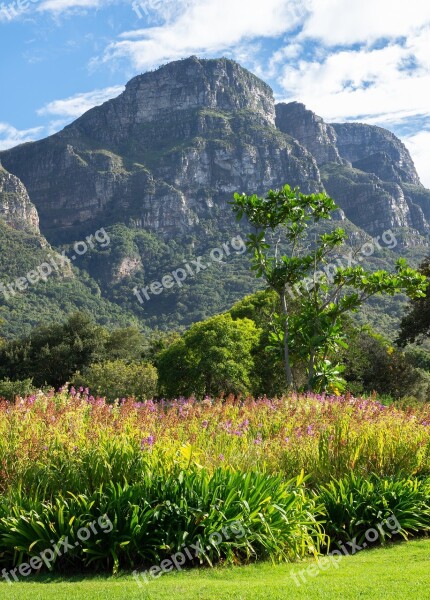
(396, 572)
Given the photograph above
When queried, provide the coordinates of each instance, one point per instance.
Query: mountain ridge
(158, 165)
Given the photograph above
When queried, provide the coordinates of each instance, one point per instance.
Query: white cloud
(153, 10)
(206, 26)
(419, 147)
(10, 136)
(366, 83)
(15, 9)
(60, 6)
(76, 105)
(345, 22)
(372, 86)
(62, 112)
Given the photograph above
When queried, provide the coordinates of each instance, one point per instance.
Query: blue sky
(367, 60)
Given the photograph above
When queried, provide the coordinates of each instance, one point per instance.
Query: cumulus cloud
(366, 61)
(342, 22)
(418, 145)
(364, 83)
(60, 113)
(10, 136)
(386, 85)
(76, 105)
(206, 26)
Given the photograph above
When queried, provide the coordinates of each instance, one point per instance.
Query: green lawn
(399, 571)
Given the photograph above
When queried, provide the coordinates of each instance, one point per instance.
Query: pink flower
(147, 442)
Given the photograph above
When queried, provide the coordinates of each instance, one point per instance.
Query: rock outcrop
(16, 208)
(157, 167)
(367, 169)
(310, 130)
(170, 151)
(376, 150)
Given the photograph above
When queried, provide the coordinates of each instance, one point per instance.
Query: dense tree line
(230, 353)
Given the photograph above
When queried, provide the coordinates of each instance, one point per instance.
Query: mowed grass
(400, 571)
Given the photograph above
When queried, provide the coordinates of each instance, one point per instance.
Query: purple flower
(147, 442)
(205, 424)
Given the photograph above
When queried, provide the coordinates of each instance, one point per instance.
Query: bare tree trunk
(311, 371)
(288, 371)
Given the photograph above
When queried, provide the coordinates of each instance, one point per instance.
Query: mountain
(156, 167)
(167, 153)
(367, 169)
(37, 284)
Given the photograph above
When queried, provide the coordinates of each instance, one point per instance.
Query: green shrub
(372, 364)
(156, 518)
(353, 505)
(115, 379)
(11, 389)
(215, 356)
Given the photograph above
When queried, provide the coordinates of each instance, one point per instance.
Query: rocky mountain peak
(170, 151)
(192, 83)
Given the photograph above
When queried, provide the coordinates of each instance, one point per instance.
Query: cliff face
(366, 169)
(186, 85)
(170, 151)
(376, 150)
(310, 130)
(16, 209)
(167, 153)
(157, 167)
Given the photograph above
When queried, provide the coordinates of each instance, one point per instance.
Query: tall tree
(415, 326)
(313, 296)
(212, 357)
